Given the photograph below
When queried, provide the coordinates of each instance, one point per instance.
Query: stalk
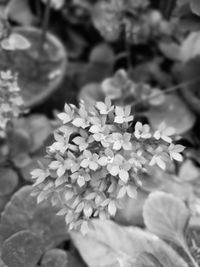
(166, 7)
(44, 28)
(168, 90)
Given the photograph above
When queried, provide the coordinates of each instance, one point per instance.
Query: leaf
(55, 258)
(132, 213)
(23, 213)
(20, 143)
(15, 41)
(8, 181)
(171, 50)
(195, 7)
(90, 94)
(174, 113)
(191, 46)
(166, 216)
(22, 249)
(36, 128)
(115, 245)
(188, 171)
(103, 54)
(19, 11)
(40, 129)
(3, 201)
(32, 165)
(2, 264)
(107, 17)
(74, 259)
(157, 97)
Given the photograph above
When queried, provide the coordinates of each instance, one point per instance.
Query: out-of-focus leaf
(23, 213)
(75, 44)
(33, 164)
(20, 142)
(122, 246)
(190, 23)
(131, 214)
(102, 53)
(15, 41)
(2, 264)
(190, 92)
(191, 46)
(195, 7)
(188, 171)
(22, 249)
(5, 232)
(96, 72)
(107, 18)
(182, 2)
(8, 181)
(166, 216)
(36, 128)
(90, 94)
(56, 4)
(170, 50)
(157, 97)
(3, 201)
(19, 11)
(174, 113)
(40, 128)
(74, 259)
(178, 189)
(55, 258)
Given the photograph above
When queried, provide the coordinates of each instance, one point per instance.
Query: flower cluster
(56, 4)
(134, 20)
(122, 90)
(97, 158)
(11, 102)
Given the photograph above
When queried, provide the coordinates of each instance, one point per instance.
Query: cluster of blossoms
(134, 20)
(11, 102)
(122, 90)
(98, 157)
(56, 4)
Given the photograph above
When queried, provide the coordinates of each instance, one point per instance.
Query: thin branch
(168, 90)
(166, 7)
(44, 27)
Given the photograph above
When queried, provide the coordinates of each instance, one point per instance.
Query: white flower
(174, 152)
(164, 133)
(142, 131)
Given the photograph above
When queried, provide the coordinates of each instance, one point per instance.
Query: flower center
(110, 159)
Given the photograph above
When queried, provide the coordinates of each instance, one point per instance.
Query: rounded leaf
(8, 181)
(23, 213)
(191, 46)
(117, 246)
(174, 113)
(55, 258)
(22, 249)
(166, 216)
(195, 7)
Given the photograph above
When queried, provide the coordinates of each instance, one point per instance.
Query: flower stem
(168, 90)
(166, 8)
(44, 28)
(38, 8)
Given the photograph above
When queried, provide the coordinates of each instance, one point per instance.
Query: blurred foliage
(142, 53)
